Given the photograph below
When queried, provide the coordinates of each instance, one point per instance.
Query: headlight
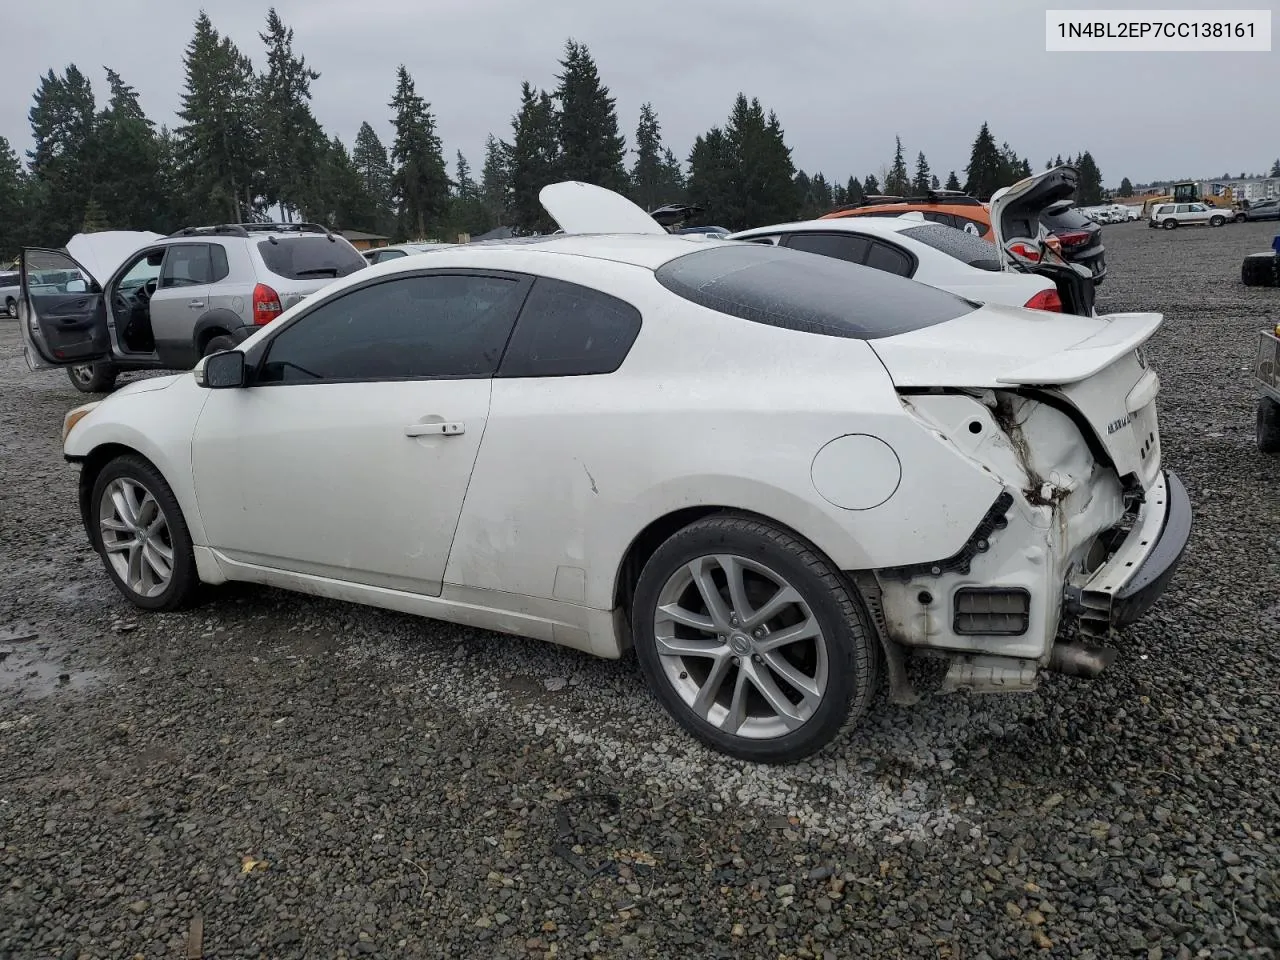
(75, 416)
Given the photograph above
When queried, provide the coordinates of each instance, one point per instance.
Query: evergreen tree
(369, 158)
(711, 173)
(420, 182)
(923, 182)
(337, 196)
(897, 183)
(1275, 169)
(591, 148)
(470, 215)
(218, 141)
(934, 182)
(987, 170)
(130, 186)
(647, 172)
(293, 146)
(870, 186)
(1057, 162)
(13, 203)
(535, 159)
(953, 182)
(671, 183)
(1126, 188)
(762, 189)
(62, 155)
(495, 179)
(1026, 168)
(1089, 189)
(853, 192)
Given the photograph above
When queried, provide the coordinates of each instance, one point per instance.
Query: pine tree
(130, 186)
(924, 180)
(495, 179)
(13, 203)
(591, 149)
(762, 180)
(420, 182)
(987, 170)
(62, 156)
(293, 146)
(1089, 189)
(369, 158)
(646, 173)
(218, 141)
(1057, 162)
(934, 182)
(897, 183)
(535, 159)
(1275, 169)
(953, 182)
(822, 194)
(671, 182)
(870, 186)
(1126, 188)
(853, 192)
(710, 184)
(337, 196)
(469, 215)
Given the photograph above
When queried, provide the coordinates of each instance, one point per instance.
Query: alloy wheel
(136, 539)
(740, 646)
(83, 372)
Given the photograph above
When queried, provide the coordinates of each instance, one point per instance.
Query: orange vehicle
(951, 207)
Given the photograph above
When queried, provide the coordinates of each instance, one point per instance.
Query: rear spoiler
(1124, 333)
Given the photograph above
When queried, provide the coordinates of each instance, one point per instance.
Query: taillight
(1074, 238)
(1045, 300)
(1026, 252)
(266, 305)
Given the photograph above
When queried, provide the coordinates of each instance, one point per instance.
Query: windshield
(310, 258)
(960, 244)
(799, 291)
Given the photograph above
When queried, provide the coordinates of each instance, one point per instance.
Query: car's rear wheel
(218, 344)
(753, 641)
(1268, 429)
(97, 377)
(1217, 221)
(139, 530)
(11, 307)
(1240, 218)
(1171, 224)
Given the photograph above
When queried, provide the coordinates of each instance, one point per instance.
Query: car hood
(995, 347)
(101, 254)
(1015, 211)
(585, 208)
(149, 385)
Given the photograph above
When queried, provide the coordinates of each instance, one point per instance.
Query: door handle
(449, 429)
(195, 303)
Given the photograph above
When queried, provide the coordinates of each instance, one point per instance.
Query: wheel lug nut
(737, 659)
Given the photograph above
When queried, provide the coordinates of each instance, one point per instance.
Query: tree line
(247, 145)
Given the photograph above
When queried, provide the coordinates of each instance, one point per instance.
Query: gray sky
(844, 77)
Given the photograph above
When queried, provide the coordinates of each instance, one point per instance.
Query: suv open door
(64, 316)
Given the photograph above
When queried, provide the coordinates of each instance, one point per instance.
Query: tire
(1217, 221)
(11, 308)
(1170, 224)
(97, 377)
(839, 662)
(1268, 428)
(218, 344)
(1260, 270)
(1240, 218)
(131, 503)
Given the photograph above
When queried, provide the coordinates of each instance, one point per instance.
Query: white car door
(348, 452)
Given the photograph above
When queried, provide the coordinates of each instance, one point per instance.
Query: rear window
(797, 291)
(310, 258)
(965, 247)
(1069, 218)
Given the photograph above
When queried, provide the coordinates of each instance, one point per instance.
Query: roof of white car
(873, 225)
(637, 249)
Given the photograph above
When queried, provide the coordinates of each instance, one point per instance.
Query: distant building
(364, 241)
(1261, 188)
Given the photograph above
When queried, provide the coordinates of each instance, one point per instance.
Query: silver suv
(117, 301)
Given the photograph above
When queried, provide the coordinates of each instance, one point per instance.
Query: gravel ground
(277, 776)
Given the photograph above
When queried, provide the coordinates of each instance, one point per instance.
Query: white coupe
(768, 472)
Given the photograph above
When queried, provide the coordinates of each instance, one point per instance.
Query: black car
(1080, 237)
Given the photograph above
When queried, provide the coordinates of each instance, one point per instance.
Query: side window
(384, 255)
(566, 330)
(405, 328)
(1183, 208)
(841, 246)
(890, 259)
(218, 263)
(766, 240)
(975, 227)
(186, 265)
(945, 219)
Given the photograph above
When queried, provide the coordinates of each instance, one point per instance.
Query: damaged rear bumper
(1125, 587)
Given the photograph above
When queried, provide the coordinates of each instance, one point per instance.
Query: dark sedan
(1080, 237)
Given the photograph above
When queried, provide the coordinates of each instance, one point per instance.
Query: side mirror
(76, 286)
(223, 370)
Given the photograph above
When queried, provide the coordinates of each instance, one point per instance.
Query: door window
(890, 259)
(840, 246)
(406, 328)
(192, 264)
(1183, 208)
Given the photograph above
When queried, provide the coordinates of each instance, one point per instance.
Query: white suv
(1171, 215)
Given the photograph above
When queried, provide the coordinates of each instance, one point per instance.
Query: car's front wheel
(98, 377)
(1268, 430)
(11, 307)
(752, 640)
(139, 530)
(1171, 224)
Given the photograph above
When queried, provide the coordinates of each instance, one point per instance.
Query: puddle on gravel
(31, 666)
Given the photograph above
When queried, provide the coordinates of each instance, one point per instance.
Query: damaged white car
(769, 472)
